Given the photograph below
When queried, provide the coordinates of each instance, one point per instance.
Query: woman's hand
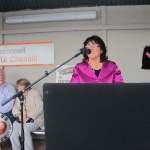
(19, 116)
(25, 119)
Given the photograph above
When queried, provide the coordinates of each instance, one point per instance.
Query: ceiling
(16, 5)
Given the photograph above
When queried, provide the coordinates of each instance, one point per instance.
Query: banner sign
(27, 54)
(64, 74)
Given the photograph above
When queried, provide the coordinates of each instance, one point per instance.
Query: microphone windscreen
(88, 51)
(83, 51)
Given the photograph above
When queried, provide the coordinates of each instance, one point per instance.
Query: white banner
(27, 54)
(64, 74)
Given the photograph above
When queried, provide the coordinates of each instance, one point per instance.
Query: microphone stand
(21, 97)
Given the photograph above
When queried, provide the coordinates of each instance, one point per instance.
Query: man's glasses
(93, 46)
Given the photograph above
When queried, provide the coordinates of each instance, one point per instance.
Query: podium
(97, 116)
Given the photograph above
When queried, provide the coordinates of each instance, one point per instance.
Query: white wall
(125, 30)
(126, 48)
(1, 23)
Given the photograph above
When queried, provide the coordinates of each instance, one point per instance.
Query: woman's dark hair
(101, 44)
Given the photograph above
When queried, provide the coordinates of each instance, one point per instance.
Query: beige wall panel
(126, 48)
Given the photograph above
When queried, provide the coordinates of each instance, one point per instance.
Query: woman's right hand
(20, 117)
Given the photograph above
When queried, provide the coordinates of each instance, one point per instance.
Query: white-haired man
(6, 91)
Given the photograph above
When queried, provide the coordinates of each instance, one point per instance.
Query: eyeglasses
(93, 46)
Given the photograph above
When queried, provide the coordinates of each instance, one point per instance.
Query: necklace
(96, 72)
(95, 66)
(93, 70)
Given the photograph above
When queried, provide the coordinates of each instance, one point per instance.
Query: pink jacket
(109, 73)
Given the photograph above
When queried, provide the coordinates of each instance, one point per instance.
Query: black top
(97, 72)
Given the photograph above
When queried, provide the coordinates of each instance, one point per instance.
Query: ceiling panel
(16, 5)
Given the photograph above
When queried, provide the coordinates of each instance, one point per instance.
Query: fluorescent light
(51, 17)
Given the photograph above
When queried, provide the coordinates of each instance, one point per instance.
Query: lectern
(97, 116)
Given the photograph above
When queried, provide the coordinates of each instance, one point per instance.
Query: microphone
(84, 50)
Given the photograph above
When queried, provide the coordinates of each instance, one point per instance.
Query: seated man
(6, 91)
